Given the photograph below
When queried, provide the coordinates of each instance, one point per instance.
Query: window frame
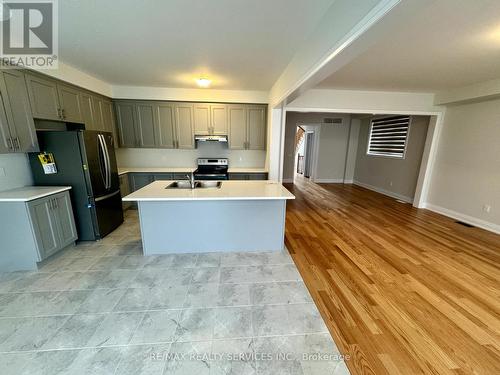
(403, 155)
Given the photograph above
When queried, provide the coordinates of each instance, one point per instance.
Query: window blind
(388, 136)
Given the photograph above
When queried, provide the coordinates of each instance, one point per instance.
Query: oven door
(211, 176)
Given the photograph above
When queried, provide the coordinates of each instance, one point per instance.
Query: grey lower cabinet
(248, 176)
(139, 180)
(125, 189)
(17, 128)
(34, 230)
(163, 176)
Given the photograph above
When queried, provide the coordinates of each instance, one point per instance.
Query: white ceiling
(239, 44)
(444, 45)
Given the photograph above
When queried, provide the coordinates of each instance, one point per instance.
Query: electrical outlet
(487, 208)
(2, 172)
(390, 183)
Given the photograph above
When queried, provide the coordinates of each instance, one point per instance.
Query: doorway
(306, 138)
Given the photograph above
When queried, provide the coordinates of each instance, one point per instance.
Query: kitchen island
(237, 216)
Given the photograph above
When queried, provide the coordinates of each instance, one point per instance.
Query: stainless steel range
(211, 169)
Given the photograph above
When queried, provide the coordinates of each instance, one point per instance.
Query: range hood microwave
(210, 138)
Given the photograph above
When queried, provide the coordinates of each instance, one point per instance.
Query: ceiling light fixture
(203, 82)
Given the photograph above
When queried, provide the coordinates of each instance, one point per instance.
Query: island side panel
(210, 226)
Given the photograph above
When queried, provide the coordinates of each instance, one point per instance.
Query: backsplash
(142, 157)
(14, 171)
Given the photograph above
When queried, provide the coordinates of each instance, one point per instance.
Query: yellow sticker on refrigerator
(48, 163)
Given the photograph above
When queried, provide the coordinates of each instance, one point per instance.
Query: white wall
(14, 171)
(466, 172)
(391, 176)
(140, 157)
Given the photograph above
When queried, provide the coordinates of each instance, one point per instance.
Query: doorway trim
(315, 156)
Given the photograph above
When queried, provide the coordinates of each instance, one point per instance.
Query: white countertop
(29, 193)
(123, 170)
(230, 190)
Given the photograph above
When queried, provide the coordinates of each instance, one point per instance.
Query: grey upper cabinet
(237, 120)
(69, 103)
(97, 112)
(17, 119)
(125, 121)
(165, 126)
(52, 100)
(108, 119)
(256, 125)
(86, 106)
(6, 143)
(146, 124)
(44, 98)
(184, 127)
(218, 119)
(247, 127)
(210, 119)
(201, 119)
(174, 124)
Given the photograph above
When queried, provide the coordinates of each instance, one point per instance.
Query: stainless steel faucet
(191, 179)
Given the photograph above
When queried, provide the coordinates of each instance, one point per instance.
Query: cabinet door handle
(49, 203)
(63, 116)
(55, 203)
(17, 143)
(10, 144)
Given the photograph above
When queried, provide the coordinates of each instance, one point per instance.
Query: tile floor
(103, 308)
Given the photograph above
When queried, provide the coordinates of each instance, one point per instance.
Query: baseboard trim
(329, 180)
(385, 192)
(288, 181)
(483, 224)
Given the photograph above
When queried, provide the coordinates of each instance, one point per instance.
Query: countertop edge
(125, 199)
(36, 196)
(125, 170)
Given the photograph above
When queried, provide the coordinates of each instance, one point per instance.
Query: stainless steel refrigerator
(85, 160)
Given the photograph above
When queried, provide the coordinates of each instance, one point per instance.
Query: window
(388, 136)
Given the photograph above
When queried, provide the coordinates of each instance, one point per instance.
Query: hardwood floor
(403, 291)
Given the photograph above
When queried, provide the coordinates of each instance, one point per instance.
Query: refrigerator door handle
(98, 199)
(101, 155)
(102, 144)
(109, 161)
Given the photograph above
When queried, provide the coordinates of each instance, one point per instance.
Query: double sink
(197, 184)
